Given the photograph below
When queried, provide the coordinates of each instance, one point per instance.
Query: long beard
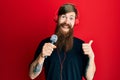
(65, 40)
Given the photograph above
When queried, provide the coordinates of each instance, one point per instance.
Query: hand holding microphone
(49, 47)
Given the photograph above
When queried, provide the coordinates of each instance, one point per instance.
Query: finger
(49, 47)
(86, 45)
(86, 50)
(90, 42)
(48, 52)
(54, 46)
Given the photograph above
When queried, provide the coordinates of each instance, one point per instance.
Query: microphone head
(54, 38)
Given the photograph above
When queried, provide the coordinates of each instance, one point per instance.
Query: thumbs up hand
(88, 49)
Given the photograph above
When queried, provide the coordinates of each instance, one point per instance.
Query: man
(69, 58)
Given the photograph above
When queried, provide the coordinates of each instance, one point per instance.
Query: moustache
(64, 24)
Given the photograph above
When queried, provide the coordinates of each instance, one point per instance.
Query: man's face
(67, 21)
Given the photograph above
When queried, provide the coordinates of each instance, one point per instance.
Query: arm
(90, 71)
(36, 67)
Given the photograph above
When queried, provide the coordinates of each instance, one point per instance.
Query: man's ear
(56, 18)
(76, 21)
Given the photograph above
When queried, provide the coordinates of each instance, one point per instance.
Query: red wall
(24, 23)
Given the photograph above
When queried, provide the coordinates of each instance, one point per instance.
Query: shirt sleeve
(40, 46)
(39, 49)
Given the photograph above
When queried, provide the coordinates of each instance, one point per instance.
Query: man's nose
(67, 21)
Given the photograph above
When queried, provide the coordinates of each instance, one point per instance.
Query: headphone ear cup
(76, 21)
(56, 18)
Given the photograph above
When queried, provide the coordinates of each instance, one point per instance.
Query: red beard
(65, 39)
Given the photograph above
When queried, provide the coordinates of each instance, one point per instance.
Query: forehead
(70, 14)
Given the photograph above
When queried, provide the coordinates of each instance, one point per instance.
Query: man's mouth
(65, 26)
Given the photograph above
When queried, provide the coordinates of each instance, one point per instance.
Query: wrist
(91, 56)
(42, 56)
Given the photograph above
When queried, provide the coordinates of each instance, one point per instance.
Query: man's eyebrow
(72, 16)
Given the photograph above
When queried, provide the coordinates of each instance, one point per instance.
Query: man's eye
(71, 18)
(63, 16)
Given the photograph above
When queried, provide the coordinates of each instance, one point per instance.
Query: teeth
(65, 26)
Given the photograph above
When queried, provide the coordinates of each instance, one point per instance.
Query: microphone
(54, 38)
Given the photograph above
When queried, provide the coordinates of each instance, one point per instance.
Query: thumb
(90, 42)
(54, 46)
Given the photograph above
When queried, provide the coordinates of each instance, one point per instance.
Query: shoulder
(46, 40)
(43, 41)
(77, 43)
(78, 40)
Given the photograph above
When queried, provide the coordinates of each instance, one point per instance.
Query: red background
(24, 23)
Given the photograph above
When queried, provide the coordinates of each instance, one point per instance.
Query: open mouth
(65, 28)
